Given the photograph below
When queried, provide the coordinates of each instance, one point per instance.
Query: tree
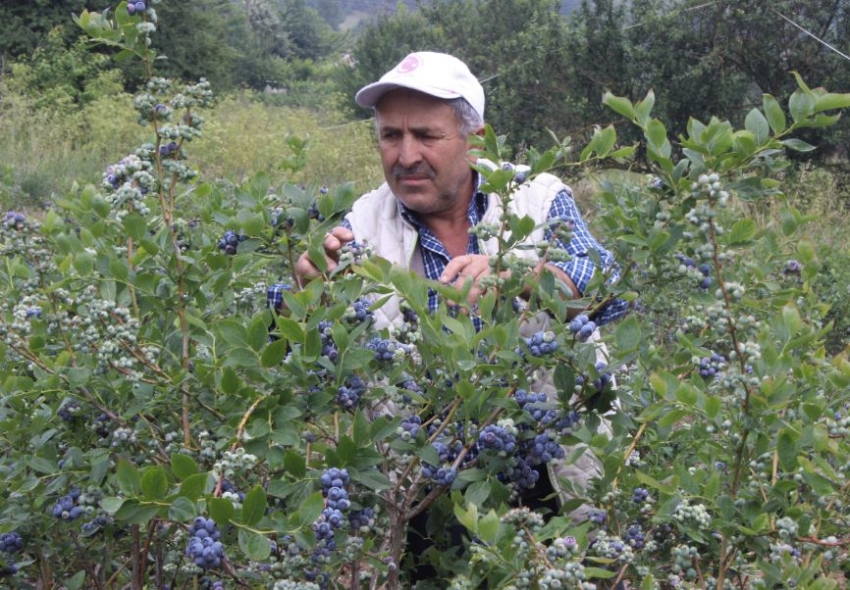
(24, 25)
(382, 45)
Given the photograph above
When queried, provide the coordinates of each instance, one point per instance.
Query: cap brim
(370, 95)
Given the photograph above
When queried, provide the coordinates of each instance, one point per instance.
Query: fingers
(339, 235)
(461, 269)
(305, 269)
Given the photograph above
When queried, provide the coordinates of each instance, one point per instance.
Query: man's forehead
(405, 109)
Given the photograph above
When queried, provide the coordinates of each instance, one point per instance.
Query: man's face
(425, 158)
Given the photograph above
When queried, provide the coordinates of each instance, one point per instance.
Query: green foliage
(382, 46)
(145, 384)
(25, 25)
(61, 78)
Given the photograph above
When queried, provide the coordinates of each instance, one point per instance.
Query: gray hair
(468, 119)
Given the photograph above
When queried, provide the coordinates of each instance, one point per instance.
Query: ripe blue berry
(204, 548)
(11, 542)
(640, 495)
(542, 343)
(230, 241)
(67, 507)
(348, 395)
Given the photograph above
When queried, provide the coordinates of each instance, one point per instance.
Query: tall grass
(43, 153)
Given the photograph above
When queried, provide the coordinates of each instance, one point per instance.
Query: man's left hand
(469, 267)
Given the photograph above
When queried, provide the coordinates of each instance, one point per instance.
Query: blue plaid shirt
(579, 267)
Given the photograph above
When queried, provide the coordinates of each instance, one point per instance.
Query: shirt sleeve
(579, 267)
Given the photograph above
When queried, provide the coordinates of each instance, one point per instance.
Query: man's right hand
(338, 237)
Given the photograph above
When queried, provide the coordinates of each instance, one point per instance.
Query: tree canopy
(543, 71)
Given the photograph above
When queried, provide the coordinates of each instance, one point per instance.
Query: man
(426, 110)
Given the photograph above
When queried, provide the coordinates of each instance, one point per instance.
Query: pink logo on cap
(410, 63)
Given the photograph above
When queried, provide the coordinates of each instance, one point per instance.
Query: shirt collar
(477, 206)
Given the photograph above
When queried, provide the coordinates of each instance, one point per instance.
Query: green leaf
(801, 104)
(310, 509)
(294, 464)
(477, 493)
(129, 480)
(488, 527)
(653, 483)
(255, 546)
(233, 332)
(798, 145)
(597, 572)
(620, 105)
(154, 483)
(672, 417)
(195, 486)
(274, 354)
(713, 405)
(742, 232)
(467, 517)
(135, 226)
(221, 510)
(829, 101)
(687, 394)
(182, 510)
(254, 506)
(134, 513)
(230, 382)
(788, 222)
(258, 332)
(656, 135)
(643, 109)
(182, 466)
(76, 581)
(372, 479)
(628, 334)
(757, 124)
(111, 504)
(786, 449)
(775, 114)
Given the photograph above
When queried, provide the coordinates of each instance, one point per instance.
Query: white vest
(376, 218)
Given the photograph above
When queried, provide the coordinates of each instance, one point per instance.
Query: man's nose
(408, 151)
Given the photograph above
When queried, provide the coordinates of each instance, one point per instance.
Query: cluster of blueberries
(334, 484)
(537, 406)
(709, 367)
(703, 268)
(14, 220)
(230, 241)
(360, 311)
(542, 343)
(444, 474)
(349, 393)
(134, 6)
(10, 543)
(205, 548)
(524, 454)
(582, 327)
(168, 148)
(387, 350)
(68, 506)
(409, 427)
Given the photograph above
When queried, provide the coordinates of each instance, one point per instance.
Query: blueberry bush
(164, 428)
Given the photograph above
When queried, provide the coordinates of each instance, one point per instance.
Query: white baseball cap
(437, 74)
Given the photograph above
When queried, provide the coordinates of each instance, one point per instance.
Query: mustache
(421, 169)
